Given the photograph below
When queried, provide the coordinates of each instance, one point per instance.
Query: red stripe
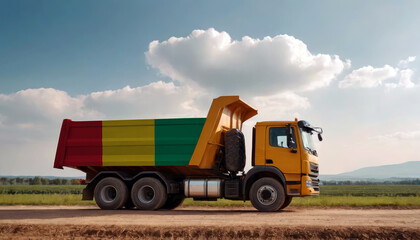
(61, 147)
(84, 144)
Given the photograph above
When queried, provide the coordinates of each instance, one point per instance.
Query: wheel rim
(266, 195)
(108, 194)
(146, 194)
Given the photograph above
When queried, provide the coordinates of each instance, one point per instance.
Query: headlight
(308, 183)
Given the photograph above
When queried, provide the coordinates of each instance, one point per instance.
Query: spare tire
(234, 150)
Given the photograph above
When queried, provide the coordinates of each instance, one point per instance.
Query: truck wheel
(267, 195)
(173, 201)
(111, 193)
(287, 202)
(148, 194)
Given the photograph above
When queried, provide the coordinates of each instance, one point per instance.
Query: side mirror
(319, 137)
(289, 133)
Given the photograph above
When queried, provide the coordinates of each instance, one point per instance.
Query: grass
(343, 195)
(43, 199)
(41, 189)
(371, 190)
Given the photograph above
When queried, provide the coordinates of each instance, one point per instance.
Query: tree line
(386, 182)
(38, 181)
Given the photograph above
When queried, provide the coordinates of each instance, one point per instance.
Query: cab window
(278, 137)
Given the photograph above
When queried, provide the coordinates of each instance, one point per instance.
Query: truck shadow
(22, 214)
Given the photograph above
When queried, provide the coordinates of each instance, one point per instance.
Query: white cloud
(370, 77)
(405, 78)
(39, 106)
(158, 99)
(404, 63)
(279, 106)
(30, 108)
(213, 61)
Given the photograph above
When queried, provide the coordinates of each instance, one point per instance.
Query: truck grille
(314, 176)
(315, 184)
(314, 169)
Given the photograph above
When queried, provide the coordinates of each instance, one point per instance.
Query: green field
(41, 189)
(371, 190)
(43, 199)
(343, 195)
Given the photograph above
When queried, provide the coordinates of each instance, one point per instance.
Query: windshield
(307, 141)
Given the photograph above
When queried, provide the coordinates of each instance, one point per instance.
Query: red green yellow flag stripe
(155, 142)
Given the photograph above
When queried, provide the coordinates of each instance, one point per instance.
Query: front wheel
(148, 194)
(287, 202)
(267, 194)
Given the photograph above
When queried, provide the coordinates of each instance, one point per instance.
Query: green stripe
(175, 140)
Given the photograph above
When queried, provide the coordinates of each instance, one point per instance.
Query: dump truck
(153, 164)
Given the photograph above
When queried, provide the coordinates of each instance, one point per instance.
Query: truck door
(278, 153)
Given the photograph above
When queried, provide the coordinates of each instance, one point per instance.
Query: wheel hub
(108, 193)
(266, 195)
(146, 194)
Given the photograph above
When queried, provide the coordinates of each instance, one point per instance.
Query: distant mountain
(407, 170)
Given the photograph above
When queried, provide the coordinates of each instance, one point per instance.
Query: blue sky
(75, 49)
(75, 45)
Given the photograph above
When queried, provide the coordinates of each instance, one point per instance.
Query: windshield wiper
(313, 152)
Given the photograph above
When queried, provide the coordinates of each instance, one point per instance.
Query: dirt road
(198, 222)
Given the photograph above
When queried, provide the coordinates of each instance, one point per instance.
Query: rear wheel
(148, 194)
(267, 195)
(111, 193)
(287, 202)
(173, 201)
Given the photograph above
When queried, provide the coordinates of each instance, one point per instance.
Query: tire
(286, 203)
(173, 201)
(234, 150)
(148, 194)
(111, 193)
(267, 195)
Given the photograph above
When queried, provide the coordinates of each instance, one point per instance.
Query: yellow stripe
(128, 143)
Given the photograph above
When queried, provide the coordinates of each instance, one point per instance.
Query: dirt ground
(76, 222)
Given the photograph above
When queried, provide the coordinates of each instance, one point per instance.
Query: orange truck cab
(152, 164)
(288, 146)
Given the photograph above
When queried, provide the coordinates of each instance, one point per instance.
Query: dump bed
(154, 142)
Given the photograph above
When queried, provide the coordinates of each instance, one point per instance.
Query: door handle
(293, 150)
(268, 161)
